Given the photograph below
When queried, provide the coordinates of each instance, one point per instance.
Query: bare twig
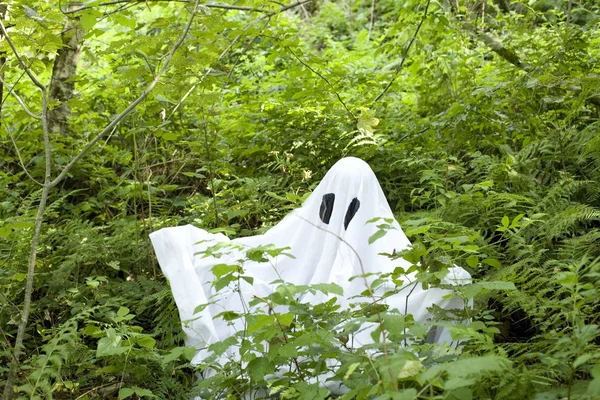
(405, 55)
(12, 139)
(325, 79)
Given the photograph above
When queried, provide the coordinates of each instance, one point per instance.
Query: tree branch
(11, 90)
(405, 55)
(325, 79)
(290, 6)
(131, 106)
(496, 46)
(12, 139)
(229, 47)
(209, 5)
(23, 65)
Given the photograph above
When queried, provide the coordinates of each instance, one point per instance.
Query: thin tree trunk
(50, 183)
(3, 9)
(39, 219)
(62, 85)
(8, 388)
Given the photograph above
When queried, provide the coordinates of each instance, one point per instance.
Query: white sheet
(328, 236)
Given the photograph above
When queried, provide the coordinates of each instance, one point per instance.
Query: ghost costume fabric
(329, 240)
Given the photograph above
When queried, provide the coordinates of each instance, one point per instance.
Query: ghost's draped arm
(174, 248)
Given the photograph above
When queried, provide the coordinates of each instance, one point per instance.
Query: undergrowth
(489, 157)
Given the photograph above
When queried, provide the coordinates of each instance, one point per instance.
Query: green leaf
(259, 322)
(143, 392)
(458, 382)
(410, 369)
(110, 345)
(146, 342)
(285, 319)
(406, 394)
(223, 269)
(493, 262)
(259, 367)
(472, 261)
(567, 279)
(594, 386)
(505, 221)
(377, 235)
(123, 311)
(229, 315)
(515, 221)
(468, 367)
(366, 124)
(125, 21)
(173, 355)
(288, 350)
(87, 20)
(350, 370)
(92, 331)
(5, 231)
(327, 288)
(394, 322)
(125, 393)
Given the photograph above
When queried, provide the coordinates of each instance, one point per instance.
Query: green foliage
(486, 145)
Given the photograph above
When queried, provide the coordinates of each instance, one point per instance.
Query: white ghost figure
(329, 239)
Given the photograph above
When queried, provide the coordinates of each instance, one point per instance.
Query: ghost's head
(346, 198)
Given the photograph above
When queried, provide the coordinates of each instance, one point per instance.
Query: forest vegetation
(480, 119)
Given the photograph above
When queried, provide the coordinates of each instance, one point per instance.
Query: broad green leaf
(125, 393)
(472, 261)
(285, 319)
(259, 367)
(329, 288)
(288, 350)
(123, 311)
(146, 342)
(493, 262)
(367, 124)
(220, 270)
(258, 322)
(377, 235)
(87, 20)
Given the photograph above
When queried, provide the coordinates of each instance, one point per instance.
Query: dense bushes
(487, 147)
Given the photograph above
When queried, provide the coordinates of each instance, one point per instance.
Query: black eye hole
(352, 210)
(327, 207)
